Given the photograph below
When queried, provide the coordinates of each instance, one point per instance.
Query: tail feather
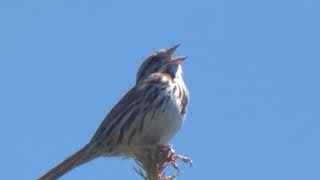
(80, 157)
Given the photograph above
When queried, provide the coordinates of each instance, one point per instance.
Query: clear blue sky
(253, 73)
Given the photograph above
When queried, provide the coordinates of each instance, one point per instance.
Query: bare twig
(148, 160)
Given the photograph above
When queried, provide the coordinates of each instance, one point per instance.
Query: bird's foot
(169, 157)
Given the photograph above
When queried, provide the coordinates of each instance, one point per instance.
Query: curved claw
(185, 160)
(170, 157)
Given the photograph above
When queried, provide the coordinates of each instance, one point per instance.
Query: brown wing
(118, 111)
(138, 94)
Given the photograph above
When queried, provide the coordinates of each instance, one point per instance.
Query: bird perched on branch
(148, 115)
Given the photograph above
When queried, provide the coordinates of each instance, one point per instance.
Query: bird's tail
(80, 157)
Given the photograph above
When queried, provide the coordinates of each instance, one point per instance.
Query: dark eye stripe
(151, 63)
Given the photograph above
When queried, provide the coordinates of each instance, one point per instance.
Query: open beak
(172, 50)
(177, 60)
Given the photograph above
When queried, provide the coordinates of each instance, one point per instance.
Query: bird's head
(161, 61)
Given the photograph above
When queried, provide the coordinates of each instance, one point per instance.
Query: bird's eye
(155, 58)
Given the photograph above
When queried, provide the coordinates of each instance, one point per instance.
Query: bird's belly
(167, 124)
(160, 127)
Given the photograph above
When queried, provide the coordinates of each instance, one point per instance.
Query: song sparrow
(149, 114)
